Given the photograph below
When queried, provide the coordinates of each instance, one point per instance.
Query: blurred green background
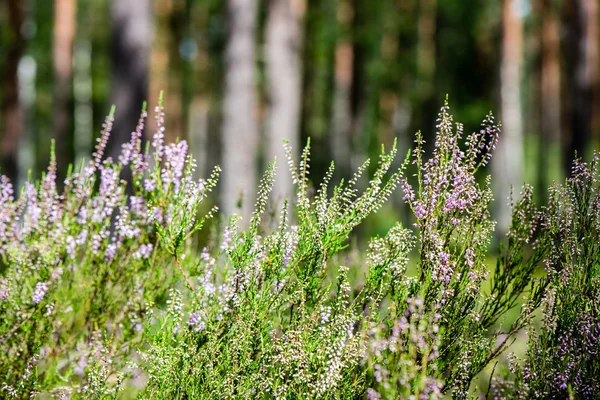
(240, 76)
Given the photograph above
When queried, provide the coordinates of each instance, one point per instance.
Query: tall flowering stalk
(451, 210)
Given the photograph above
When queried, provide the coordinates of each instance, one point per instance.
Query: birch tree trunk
(507, 163)
(62, 57)
(240, 132)
(131, 37)
(284, 67)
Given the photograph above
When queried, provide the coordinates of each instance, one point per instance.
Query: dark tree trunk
(11, 107)
(549, 103)
(341, 134)
(62, 55)
(581, 59)
(426, 103)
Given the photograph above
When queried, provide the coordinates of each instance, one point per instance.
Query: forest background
(239, 76)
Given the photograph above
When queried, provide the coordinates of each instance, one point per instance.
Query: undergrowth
(107, 289)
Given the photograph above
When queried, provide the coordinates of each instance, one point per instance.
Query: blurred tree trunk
(426, 58)
(341, 139)
(27, 97)
(195, 91)
(284, 72)
(550, 110)
(368, 71)
(83, 125)
(581, 60)
(394, 104)
(507, 163)
(208, 71)
(188, 49)
(426, 103)
(240, 131)
(388, 99)
(177, 71)
(62, 58)
(159, 59)
(167, 64)
(198, 130)
(11, 107)
(131, 36)
(318, 79)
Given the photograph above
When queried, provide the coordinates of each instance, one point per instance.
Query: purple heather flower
(143, 252)
(175, 155)
(131, 150)
(110, 193)
(469, 255)
(196, 321)
(125, 227)
(205, 255)
(126, 153)
(4, 290)
(409, 194)
(6, 198)
(34, 212)
(149, 184)
(420, 210)
(159, 136)
(102, 141)
(373, 394)
(82, 215)
(111, 251)
(157, 215)
(136, 205)
(6, 191)
(96, 243)
(40, 291)
(225, 244)
(71, 246)
(57, 273)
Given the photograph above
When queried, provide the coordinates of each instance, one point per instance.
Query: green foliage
(106, 292)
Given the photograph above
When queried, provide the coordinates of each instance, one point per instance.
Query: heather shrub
(78, 268)
(447, 304)
(562, 359)
(107, 289)
(262, 318)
